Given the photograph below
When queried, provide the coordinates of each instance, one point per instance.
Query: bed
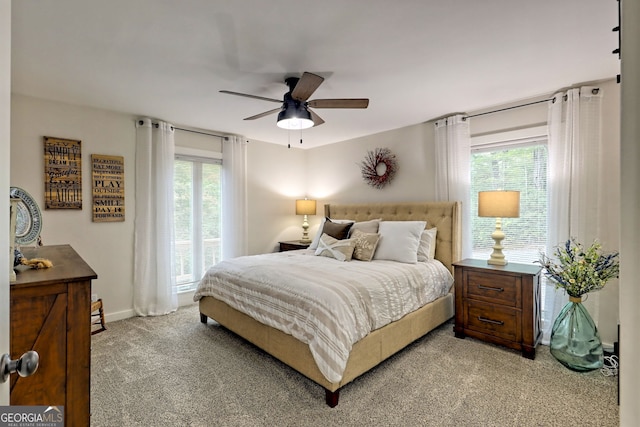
(380, 343)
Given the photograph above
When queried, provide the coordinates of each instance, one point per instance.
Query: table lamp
(498, 204)
(305, 207)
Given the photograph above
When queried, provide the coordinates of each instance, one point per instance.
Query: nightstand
(499, 304)
(292, 245)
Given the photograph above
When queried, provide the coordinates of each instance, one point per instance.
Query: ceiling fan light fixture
(293, 118)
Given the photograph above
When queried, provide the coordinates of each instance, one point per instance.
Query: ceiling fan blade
(317, 120)
(251, 96)
(307, 84)
(340, 103)
(266, 113)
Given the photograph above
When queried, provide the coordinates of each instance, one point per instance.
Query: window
(512, 165)
(197, 197)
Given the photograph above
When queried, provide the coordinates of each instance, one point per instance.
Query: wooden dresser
(499, 304)
(50, 313)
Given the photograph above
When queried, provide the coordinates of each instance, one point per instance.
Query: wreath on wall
(379, 167)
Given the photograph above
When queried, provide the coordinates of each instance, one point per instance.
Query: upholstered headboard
(446, 216)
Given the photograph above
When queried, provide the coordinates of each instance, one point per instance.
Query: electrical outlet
(94, 297)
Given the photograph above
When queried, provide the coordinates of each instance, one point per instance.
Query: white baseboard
(184, 299)
(120, 315)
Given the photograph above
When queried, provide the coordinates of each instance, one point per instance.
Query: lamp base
(497, 257)
(496, 261)
(305, 231)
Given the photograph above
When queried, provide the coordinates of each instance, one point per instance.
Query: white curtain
(576, 183)
(154, 279)
(453, 169)
(234, 198)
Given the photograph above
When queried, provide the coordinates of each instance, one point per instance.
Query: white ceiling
(415, 60)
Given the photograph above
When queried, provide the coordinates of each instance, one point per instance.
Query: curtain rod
(593, 91)
(508, 108)
(226, 138)
(202, 133)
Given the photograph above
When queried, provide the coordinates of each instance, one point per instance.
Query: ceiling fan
(294, 113)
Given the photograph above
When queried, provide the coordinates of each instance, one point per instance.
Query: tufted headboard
(446, 216)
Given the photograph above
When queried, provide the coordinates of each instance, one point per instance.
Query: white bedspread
(327, 304)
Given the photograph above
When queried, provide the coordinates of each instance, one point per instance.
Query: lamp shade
(499, 204)
(295, 117)
(305, 207)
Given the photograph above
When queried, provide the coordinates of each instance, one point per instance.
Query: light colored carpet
(175, 371)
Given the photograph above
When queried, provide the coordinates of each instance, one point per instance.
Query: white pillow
(399, 240)
(316, 239)
(427, 247)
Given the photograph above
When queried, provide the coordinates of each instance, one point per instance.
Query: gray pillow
(370, 226)
(336, 230)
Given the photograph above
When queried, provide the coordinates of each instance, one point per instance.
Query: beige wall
(108, 247)
(333, 174)
(277, 176)
(603, 306)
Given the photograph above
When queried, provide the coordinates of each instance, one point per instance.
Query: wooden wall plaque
(62, 173)
(107, 177)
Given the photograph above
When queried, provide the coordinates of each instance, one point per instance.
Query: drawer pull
(489, 288)
(495, 322)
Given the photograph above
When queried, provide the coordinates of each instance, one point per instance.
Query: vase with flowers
(575, 341)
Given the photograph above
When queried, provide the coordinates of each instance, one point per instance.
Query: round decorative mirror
(28, 217)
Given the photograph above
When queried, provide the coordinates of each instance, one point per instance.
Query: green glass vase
(575, 341)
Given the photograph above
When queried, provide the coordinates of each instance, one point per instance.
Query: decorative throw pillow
(336, 230)
(365, 244)
(399, 240)
(427, 247)
(370, 226)
(342, 250)
(316, 239)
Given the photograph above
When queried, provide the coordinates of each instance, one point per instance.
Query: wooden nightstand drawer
(499, 304)
(499, 289)
(493, 320)
(293, 245)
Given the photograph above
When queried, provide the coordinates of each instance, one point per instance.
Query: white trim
(510, 136)
(197, 152)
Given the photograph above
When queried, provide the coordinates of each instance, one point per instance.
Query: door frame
(5, 138)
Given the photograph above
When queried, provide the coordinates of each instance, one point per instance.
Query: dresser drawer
(494, 320)
(497, 289)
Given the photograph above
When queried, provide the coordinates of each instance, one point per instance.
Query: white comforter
(325, 303)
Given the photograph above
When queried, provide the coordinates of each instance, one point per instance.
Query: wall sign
(62, 173)
(107, 177)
